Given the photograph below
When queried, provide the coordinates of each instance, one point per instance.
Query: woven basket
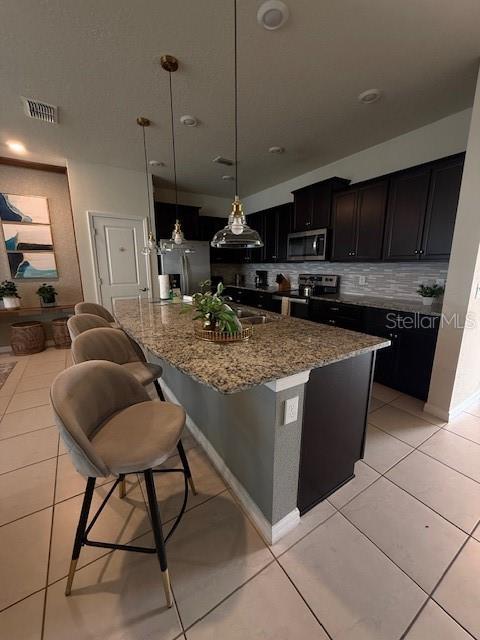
(221, 336)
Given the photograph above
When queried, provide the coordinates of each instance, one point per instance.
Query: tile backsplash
(385, 280)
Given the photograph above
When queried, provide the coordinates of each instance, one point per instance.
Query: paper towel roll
(164, 282)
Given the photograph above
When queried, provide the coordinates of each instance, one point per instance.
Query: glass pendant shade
(237, 234)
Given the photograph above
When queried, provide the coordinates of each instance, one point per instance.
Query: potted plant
(213, 310)
(429, 292)
(9, 294)
(47, 295)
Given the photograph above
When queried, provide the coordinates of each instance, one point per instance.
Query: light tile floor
(393, 554)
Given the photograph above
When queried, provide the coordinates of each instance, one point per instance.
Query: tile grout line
(25, 433)
(440, 580)
(42, 633)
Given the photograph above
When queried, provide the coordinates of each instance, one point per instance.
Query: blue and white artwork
(27, 237)
(24, 265)
(24, 209)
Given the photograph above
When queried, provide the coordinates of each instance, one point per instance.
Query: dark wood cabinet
(276, 227)
(406, 214)
(421, 211)
(313, 204)
(358, 222)
(165, 215)
(445, 182)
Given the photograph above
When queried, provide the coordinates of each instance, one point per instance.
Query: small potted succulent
(9, 294)
(430, 292)
(47, 294)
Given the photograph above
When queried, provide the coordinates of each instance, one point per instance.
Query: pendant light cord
(173, 145)
(147, 178)
(235, 94)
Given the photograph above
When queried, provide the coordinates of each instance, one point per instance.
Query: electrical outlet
(362, 280)
(291, 410)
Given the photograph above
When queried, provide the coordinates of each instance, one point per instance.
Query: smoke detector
(222, 160)
(40, 110)
(272, 14)
(189, 121)
(369, 96)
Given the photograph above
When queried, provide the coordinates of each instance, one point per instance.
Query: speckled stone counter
(277, 349)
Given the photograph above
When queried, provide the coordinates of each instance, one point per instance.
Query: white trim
(451, 413)
(289, 381)
(270, 533)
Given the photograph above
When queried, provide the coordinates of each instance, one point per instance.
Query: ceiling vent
(222, 160)
(40, 110)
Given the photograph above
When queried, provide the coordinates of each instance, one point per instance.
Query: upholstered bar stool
(111, 427)
(95, 309)
(114, 346)
(84, 321)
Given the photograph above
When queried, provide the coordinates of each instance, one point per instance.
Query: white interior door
(121, 266)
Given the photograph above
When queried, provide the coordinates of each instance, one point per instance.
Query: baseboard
(452, 413)
(270, 533)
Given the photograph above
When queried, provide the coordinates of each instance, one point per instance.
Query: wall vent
(40, 110)
(222, 160)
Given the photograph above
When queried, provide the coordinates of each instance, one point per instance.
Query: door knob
(144, 289)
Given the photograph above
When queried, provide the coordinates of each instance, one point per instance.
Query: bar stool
(84, 321)
(113, 345)
(111, 427)
(95, 309)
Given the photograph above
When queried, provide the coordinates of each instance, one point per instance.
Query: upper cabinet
(421, 211)
(165, 215)
(313, 204)
(442, 205)
(277, 223)
(358, 222)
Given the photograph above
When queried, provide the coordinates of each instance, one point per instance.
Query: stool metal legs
(183, 458)
(159, 391)
(80, 535)
(157, 533)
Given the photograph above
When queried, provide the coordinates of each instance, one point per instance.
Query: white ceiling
(98, 61)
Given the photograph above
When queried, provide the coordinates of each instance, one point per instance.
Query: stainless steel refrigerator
(193, 268)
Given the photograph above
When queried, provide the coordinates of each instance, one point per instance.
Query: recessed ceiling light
(370, 96)
(16, 147)
(276, 150)
(156, 163)
(272, 14)
(227, 178)
(189, 121)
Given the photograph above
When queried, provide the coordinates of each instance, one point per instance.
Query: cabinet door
(255, 221)
(416, 351)
(442, 209)
(302, 210)
(321, 205)
(284, 227)
(370, 221)
(406, 209)
(270, 226)
(344, 207)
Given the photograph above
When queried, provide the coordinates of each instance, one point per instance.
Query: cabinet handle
(421, 251)
(416, 251)
(353, 253)
(274, 257)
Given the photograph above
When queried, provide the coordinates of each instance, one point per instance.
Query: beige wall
(54, 186)
(456, 372)
(102, 189)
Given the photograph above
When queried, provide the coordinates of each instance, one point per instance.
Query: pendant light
(237, 234)
(177, 241)
(152, 245)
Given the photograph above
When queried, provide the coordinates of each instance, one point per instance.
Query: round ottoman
(27, 338)
(61, 335)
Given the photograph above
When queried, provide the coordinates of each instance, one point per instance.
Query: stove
(317, 284)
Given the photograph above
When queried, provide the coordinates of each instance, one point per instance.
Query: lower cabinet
(252, 298)
(407, 364)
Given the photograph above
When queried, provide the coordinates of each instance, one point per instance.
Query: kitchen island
(281, 416)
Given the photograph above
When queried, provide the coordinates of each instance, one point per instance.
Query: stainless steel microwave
(307, 245)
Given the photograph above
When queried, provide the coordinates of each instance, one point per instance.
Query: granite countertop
(377, 302)
(279, 348)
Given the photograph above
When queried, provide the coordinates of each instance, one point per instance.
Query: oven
(307, 245)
